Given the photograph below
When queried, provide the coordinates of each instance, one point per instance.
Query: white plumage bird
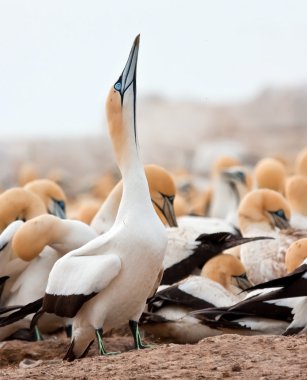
(106, 283)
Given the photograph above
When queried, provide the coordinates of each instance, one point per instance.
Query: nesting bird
(19, 204)
(169, 310)
(266, 212)
(278, 306)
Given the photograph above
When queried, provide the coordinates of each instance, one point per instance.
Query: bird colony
(151, 253)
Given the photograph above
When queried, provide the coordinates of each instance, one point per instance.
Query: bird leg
(134, 327)
(101, 349)
(38, 335)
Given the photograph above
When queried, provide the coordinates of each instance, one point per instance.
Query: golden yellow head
(222, 268)
(18, 203)
(224, 162)
(264, 206)
(296, 254)
(270, 173)
(162, 192)
(50, 193)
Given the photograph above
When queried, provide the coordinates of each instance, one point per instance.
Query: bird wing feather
(83, 274)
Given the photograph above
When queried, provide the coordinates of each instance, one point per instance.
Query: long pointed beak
(58, 209)
(242, 281)
(129, 73)
(235, 240)
(169, 212)
(280, 222)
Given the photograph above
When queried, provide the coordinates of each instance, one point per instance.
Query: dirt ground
(226, 356)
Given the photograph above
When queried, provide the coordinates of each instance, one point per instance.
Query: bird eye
(280, 213)
(171, 198)
(118, 86)
(241, 176)
(61, 204)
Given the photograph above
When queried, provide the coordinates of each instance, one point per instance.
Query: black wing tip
(23, 311)
(151, 318)
(293, 331)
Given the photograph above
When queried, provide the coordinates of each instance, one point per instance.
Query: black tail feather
(36, 317)
(30, 308)
(7, 309)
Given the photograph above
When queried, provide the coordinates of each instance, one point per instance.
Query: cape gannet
(266, 212)
(168, 311)
(10, 264)
(188, 247)
(216, 208)
(276, 303)
(105, 283)
(296, 194)
(186, 253)
(51, 194)
(36, 245)
(19, 204)
(270, 173)
(235, 183)
(63, 235)
(162, 191)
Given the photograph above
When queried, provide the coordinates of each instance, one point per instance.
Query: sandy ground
(226, 356)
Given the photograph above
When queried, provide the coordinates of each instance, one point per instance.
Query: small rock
(29, 363)
(236, 368)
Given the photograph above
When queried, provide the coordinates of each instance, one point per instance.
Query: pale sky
(59, 57)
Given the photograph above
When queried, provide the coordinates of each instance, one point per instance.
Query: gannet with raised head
(51, 194)
(105, 283)
(266, 212)
(19, 204)
(168, 311)
(296, 194)
(162, 191)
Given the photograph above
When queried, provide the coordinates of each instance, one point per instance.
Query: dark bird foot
(138, 344)
(101, 349)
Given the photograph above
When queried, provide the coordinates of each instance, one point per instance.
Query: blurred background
(213, 77)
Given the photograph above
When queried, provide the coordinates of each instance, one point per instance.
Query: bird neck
(124, 138)
(136, 197)
(106, 215)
